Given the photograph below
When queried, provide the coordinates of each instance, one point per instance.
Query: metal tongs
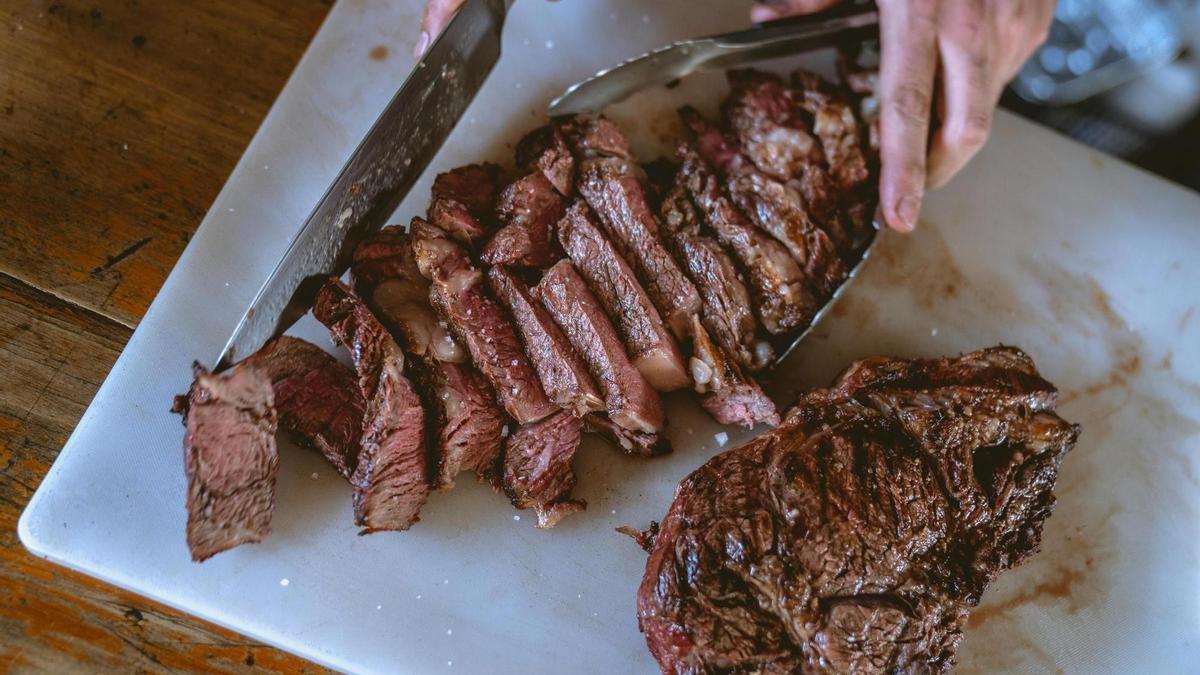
(849, 24)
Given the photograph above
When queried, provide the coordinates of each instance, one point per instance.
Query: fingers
(778, 9)
(908, 60)
(437, 14)
(968, 94)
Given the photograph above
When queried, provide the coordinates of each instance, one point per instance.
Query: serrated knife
(379, 173)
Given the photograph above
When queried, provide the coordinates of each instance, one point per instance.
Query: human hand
(974, 46)
(437, 15)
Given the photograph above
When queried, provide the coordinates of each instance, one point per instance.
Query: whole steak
(856, 536)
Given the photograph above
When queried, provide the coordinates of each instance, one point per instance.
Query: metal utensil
(667, 64)
(379, 173)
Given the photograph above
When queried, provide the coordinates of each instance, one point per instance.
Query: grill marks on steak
(316, 398)
(462, 202)
(230, 457)
(528, 208)
(545, 149)
(464, 420)
(537, 467)
(728, 395)
(391, 478)
(651, 347)
(478, 322)
(856, 536)
(631, 402)
(563, 373)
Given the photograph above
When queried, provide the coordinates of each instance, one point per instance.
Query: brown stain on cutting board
(378, 53)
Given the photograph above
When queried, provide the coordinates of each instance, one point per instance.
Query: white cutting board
(1088, 264)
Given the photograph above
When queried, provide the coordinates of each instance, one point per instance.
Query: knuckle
(911, 102)
(975, 128)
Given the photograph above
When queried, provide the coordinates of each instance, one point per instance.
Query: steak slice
(631, 402)
(537, 467)
(545, 149)
(765, 119)
(463, 418)
(391, 478)
(457, 293)
(857, 536)
(317, 399)
(728, 395)
(728, 314)
(462, 202)
(563, 373)
(595, 136)
(782, 299)
(651, 347)
(630, 442)
(837, 128)
(230, 457)
(528, 208)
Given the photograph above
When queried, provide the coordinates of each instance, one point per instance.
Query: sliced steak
(651, 347)
(316, 397)
(545, 149)
(727, 394)
(782, 299)
(727, 312)
(595, 136)
(779, 209)
(563, 374)
(463, 418)
(630, 442)
(528, 208)
(837, 128)
(462, 202)
(763, 115)
(230, 457)
(391, 479)
(457, 293)
(537, 467)
(857, 536)
(631, 402)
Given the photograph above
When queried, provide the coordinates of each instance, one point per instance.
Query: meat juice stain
(378, 53)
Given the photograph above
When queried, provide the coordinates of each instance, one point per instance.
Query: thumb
(770, 10)
(437, 14)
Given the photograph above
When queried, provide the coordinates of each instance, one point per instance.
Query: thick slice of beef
(457, 293)
(629, 441)
(595, 136)
(779, 209)
(391, 479)
(782, 299)
(230, 457)
(728, 314)
(528, 208)
(763, 115)
(837, 128)
(317, 399)
(563, 374)
(537, 467)
(865, 83)
(463, 199)
(727, 394)
(631, 402)
(463, 420)
(857, 536)
(545, 149)
(651, 347)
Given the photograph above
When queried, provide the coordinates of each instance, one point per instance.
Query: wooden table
(119, 122)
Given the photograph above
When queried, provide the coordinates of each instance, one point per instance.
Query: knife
(378, 175)
(667, 64)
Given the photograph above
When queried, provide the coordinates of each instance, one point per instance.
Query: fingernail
(422, 45)
(908, 209)
(760, 14)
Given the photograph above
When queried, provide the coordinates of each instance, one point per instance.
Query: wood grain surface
(119, 122)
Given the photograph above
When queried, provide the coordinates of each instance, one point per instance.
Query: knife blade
(670, 63)
(378, 175)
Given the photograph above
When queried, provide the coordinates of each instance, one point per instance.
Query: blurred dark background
(1122, 76)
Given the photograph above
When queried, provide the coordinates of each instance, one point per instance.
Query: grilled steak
(478, 322)
(727, 312)
(857, 536)
(537, 467)
(631, 402)
(463, 418)
(837, 128)
(782, 301)
(651, 347)
(728, 395)
(391, 477)
(563, 373)
(462, 202)
(317, 399)
(230, 457)
(629, 441)
(528, 208)
(545, 149)
(591, 137)
(764, 117)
